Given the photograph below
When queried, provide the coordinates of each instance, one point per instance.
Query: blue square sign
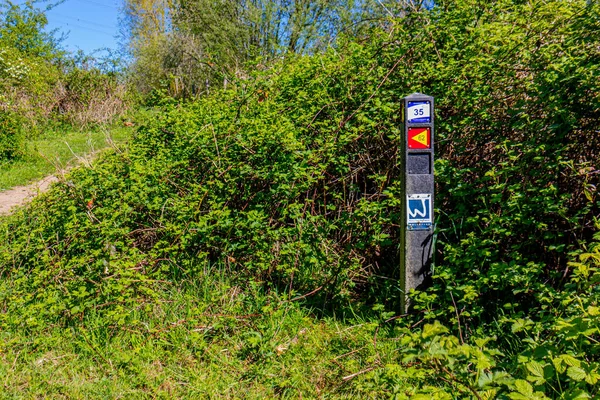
(419, 211)
(419, 112)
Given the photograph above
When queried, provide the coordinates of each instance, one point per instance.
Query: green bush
(44, 85)
(11, 137)
(231, 180)
(88, 96)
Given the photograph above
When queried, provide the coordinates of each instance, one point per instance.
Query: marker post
(416, 239)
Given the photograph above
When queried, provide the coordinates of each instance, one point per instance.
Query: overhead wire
(69, 24)
(81, 20)
(66, 21)
(114, 6)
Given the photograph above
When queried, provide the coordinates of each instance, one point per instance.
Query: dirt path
(20, 195)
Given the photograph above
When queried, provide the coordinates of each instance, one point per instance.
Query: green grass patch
(57, 150)
(209, 338)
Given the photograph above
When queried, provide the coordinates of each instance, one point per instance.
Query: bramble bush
(11, 138)
(290, 182)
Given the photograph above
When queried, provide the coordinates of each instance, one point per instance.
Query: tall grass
(201, 338)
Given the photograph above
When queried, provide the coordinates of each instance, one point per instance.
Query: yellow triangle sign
(422, 138)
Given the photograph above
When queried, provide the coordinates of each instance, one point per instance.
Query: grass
(55, 151)
(204, 339)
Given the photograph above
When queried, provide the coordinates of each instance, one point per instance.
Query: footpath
(20, 195)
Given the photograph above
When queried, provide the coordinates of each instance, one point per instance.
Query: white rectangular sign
(419, 211)
(419, 112)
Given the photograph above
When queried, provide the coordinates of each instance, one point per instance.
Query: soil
(20, 195)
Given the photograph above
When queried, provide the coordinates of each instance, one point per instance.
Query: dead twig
(462, 341)
(307, 294)
(354, 375)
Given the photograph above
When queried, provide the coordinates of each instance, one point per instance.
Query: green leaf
(524, 387)
(521, 325)
(577, 394)
(570, 360)
(433, 329)
(558, 364)
(592, 378)
(488, 394)
(576, 373)
(536, 370)
(518, 396)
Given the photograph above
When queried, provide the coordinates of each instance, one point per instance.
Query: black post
(417, 215)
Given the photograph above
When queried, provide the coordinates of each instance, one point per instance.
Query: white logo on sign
(419, 213)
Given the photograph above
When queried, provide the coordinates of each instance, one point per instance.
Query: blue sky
(88, 24)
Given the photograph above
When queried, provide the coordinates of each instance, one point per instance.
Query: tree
(22, 28)
(186, 46)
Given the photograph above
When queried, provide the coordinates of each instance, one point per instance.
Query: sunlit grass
(57, 150)
(206, 338)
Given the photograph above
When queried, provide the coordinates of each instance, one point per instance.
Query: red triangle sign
(419, 138)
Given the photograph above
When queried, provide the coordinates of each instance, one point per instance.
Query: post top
(417, 95)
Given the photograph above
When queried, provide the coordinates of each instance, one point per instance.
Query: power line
(82, 20)
(67, 23)
(113, 6)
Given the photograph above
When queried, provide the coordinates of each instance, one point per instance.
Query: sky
(89, 25)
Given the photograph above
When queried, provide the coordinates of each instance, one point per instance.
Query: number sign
(419, 112)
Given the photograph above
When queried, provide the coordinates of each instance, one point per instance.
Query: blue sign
(419, 112)
(419, 211)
